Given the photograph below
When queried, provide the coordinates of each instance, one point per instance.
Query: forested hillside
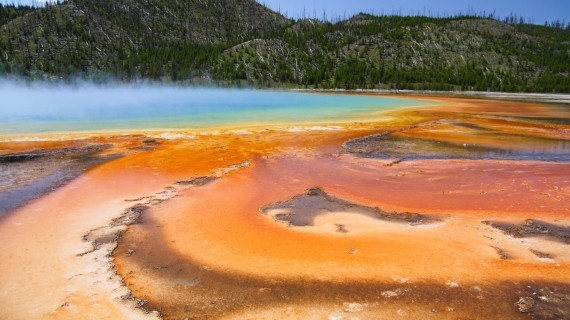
(128, 38)
(242, 43)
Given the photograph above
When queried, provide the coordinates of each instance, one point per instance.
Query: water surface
(28, 110)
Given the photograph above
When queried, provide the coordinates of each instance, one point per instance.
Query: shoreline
(441, 98)
(370, 116)
(554, 98)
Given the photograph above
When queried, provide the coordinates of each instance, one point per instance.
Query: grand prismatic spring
(203, 204)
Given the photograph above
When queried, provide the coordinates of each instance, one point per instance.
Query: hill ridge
(242, 43)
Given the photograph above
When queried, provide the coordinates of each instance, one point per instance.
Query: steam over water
(41, 109)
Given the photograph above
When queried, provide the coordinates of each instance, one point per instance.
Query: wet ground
(473, 136)
(447, 212)
(200, 255)
(25, 176)
(31, 169)
(416, 230)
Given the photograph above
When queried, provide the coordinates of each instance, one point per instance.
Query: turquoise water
(29, 110)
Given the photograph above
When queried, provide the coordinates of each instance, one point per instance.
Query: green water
(27, 110)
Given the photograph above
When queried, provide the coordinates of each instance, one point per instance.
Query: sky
(539, 10)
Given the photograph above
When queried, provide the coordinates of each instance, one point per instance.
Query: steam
(39, 107)
(40, 101)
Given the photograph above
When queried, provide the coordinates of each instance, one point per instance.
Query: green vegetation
(11, 12)
(240, 42)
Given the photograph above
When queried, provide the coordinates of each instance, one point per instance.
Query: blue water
(28, 110)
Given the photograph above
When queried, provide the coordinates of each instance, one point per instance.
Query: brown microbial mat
(454, 211)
